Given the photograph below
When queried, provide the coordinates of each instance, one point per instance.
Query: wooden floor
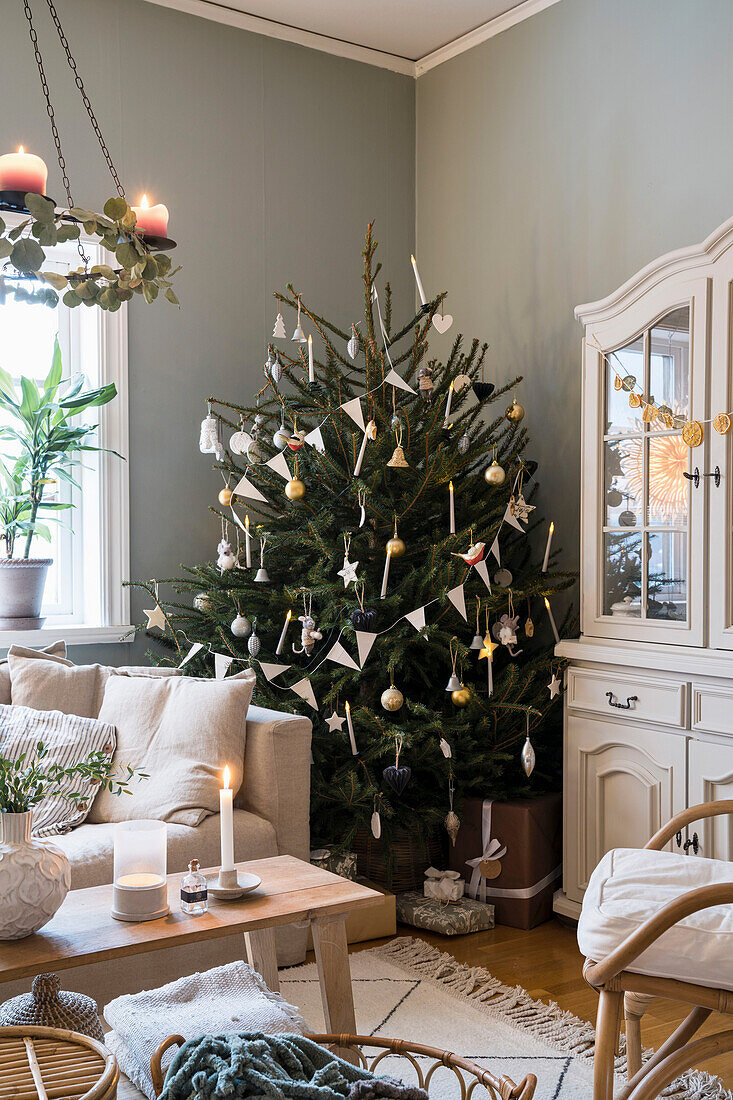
(547, 963)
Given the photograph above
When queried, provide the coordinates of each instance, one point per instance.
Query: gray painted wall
(276, 154)
(552, 162)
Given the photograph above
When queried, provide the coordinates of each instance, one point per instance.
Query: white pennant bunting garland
(512, 519)
(191, 653)
(394, 380)
(222, 662)
(245, 488)
(417, 618)
(458, 600)
(339, 656)
(353, 409)
(305, 691)
(279, 464)
(270, 671)
(483, 571)
(494, 549)
(365, 639)
(315, 439)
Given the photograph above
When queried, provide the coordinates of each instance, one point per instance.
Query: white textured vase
(35, 877)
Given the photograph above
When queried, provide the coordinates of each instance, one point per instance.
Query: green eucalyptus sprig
(137, 268)
(23, 785)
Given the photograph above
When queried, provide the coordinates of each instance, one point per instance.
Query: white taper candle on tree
(226, 822)
(247, 542)
(311, 372)
(552, 619)
(452, 508)
(385, 577)
(418, 280)
(547, 548)
(360, 456)
(449, 401)
(286, 624)
(352, 739)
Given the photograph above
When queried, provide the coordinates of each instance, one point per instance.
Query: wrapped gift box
(338, 863)
(444, 885)
(519, 844)
(449, 918)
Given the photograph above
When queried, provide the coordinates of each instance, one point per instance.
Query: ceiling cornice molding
(481, 34)
(221, 13)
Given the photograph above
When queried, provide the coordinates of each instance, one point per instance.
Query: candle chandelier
(135, 236)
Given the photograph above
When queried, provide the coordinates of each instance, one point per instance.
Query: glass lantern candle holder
(140, 887)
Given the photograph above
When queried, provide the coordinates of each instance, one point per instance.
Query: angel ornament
(309, 635)
(425, 383)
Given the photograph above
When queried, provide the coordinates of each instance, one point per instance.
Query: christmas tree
(376, 569)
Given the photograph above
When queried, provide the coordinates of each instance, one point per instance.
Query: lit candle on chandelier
(385, 576)
(311, 371)
(151, 219)
(352, 739)
(449, 401)
(552, 620)
(547, 548)
(286, 624)
(452, 508)
(247, 542)
(418, 280)
(24, 172)
(226, 814)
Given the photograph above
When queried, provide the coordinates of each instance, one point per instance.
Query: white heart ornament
(443, 323)
(239, 443)
(460, 382)
(352, 347)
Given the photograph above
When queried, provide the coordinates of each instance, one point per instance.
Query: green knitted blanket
(252, 1065)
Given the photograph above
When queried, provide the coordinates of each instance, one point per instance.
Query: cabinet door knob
(694, 477)
(613, 702)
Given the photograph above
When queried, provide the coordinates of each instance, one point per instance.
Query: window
(84, 600)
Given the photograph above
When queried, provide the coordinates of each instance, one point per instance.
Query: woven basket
(47, 1061)
(400, 863)
(472, 1079)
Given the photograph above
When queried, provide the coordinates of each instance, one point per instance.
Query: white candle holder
(140, 887)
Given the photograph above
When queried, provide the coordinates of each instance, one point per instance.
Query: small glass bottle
(194, 892)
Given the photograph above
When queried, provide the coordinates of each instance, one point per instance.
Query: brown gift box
(531, 831)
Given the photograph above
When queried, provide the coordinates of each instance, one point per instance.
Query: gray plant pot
(21, 592)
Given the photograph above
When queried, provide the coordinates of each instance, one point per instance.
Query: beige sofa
(271, 818)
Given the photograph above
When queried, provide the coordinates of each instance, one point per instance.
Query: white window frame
(112, 619)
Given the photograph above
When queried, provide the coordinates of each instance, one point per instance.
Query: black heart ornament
(483, 390)
(397, 778)
(364, 618)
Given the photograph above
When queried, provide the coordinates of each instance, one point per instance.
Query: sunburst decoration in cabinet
(667, 462)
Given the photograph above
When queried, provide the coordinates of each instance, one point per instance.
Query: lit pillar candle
(226, 822)
(349, 723)
(247, 542)
(452, 509)
(418, 280)
(311, 372)
(552, 620)
(151, 219)
(449, 401)
(547, 548)
(385, 576)
(23, 171)
(281, 643)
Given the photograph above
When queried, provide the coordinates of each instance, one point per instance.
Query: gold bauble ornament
(203, 601)
(395, 547)
(461, 697)
(295, 489)
(495, 474)
(515, 412)
(225, 497)
(392, 698)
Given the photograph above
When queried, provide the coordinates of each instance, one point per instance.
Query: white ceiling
(410, 36)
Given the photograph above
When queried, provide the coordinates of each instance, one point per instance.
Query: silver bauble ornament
(495, 474)
(528, 757)
(202, 601)
(241, 626)
(281, 436)
(392, 698)
(452, 825)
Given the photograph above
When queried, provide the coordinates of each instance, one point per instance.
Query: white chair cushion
(629, 885)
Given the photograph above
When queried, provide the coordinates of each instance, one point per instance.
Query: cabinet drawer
(712, 708)
(640, 698)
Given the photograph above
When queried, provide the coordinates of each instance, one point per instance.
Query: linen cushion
(631, 884)
(57, 684)
(68, 739)
(57, 649)
(181, 731)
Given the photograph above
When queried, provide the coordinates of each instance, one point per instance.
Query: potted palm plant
(41, 442)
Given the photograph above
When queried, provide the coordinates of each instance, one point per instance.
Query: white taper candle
(418, 280)
(547, 548)
(247, 542)
(383, 593)
(552, 619)
(352, 739)
(226, 822)
(449, 401)
(360, 456)
(281, 643)
(452, 509)
(311, 372)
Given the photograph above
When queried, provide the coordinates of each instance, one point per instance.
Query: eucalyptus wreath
(138, 268)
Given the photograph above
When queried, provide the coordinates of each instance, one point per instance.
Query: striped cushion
(68, 739)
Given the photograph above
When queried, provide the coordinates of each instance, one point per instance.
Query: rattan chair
(637, 969)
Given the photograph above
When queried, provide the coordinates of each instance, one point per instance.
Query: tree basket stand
(400, 862)
(469, 1075)
(40, 1063)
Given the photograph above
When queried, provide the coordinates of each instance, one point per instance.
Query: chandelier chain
(49, 105)
(82, 92)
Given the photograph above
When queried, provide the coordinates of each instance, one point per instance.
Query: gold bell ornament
(495, 474)
(398, 460)
(392, 698)
(515, 411)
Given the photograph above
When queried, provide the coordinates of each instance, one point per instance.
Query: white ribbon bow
(444, 880)
(492, 849)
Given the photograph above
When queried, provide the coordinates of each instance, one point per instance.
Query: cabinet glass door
(646, 499)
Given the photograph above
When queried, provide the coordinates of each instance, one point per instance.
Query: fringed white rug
(409, 990)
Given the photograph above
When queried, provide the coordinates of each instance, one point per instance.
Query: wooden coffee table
(83, 931)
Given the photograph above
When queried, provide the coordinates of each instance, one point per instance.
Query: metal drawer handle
(621, 706)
